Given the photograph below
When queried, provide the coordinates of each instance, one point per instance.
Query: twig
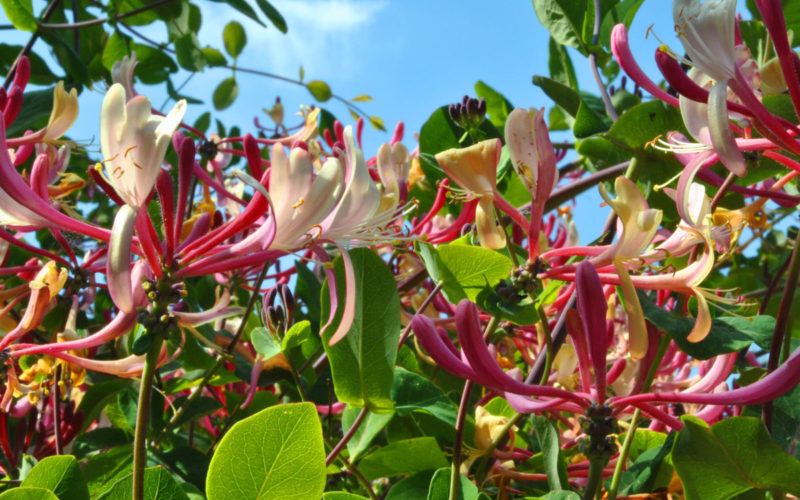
(612, 113)
(346, 438)
(93, 22)
(48, 11)
(56, 412)
(455, 472)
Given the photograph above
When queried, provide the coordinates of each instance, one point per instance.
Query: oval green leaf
(225, 93)
(362, 363)
(61, 475)
(28, 493)
(320, 90)
(235, 38)
(276, 453)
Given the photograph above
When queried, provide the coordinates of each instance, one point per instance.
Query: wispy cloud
(321, 37)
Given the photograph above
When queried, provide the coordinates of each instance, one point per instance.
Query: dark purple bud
(482, 106)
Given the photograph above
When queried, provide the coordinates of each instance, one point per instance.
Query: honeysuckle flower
(63, 114)
(534, 160)
(394, 164)
(47, 283)
(118, 263)
(475, 169)
(134, 142)
(122, 73)
(707, 31)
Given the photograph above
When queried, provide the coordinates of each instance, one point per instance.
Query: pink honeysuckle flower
(122, 73)
(475, 169)
(707, 31)
(134, 142)
(534, 160)
(393, 163)
(477, 363)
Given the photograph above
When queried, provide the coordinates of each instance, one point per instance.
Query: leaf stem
(455, 472)
(346, 438)
(142, 412)
(780, 340)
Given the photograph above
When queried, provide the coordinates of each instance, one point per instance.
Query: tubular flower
(533, 158)
(707, 32)
(134, 143)
(63, 114)
(122, 73)
(475, 169)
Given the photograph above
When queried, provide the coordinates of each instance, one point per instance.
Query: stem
(722, 190)
(481, 474)
(220, 359)
(596, 467)
(346, 438)
(56, 413)
(612, 113)
(623, 455)
(573, 189)
(356, 473)
(455, 472)
(94, 22)
(782, 322)
(548, 362)
(142, 412)
(48, 11)
(558, 337)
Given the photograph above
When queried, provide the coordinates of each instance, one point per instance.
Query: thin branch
(612, 113)
(48, 11)
(94, 22)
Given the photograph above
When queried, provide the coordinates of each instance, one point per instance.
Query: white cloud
(320, 38)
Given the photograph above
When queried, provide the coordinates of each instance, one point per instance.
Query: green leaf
(727, 334)
(564, 20)
(554, 466)
(297, 335)
(97, 397)
(243, 7)
(586, 109)
(438, 133)
(785, 419)
(273, 15)
(731, 457)
(402, 457)
(214, 57)
(198, 408)
(474, 268)
(20, 13)
(341, 495)
(412, 392)
(560, 65)
(376, 122)
(651, 469)
(440, 486)
(497, 106)
(264, 343)
(28, 493)
(158, 483)
(114, 50)
(225, 93)
(644, 122)
(189, 54)
(105, 469)
(276, 453)
(320, 90)
(372, 425)
(361, 98)
(622, 12)
(235, 38)
(203, 121)
(61, 475)
(414, 486)
(362, 363)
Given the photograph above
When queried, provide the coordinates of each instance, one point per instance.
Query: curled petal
(119, 259)
(722, 137)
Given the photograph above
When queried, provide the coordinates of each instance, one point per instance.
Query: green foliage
(158, 483)
(440, 486)
(20, 13)
(362, 363)
(403, 457)
(59, 474)
(286, 456)
(730, 458)
(320, 90)
(225, 93)
(235, 38)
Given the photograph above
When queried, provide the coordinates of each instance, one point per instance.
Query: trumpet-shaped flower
(707, 32)
(475, 169)
(134, 142)
(64, 112)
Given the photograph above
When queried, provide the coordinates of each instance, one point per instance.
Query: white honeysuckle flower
(134, 142)
(707, 32)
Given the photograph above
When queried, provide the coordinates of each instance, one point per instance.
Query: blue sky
(411, 56)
